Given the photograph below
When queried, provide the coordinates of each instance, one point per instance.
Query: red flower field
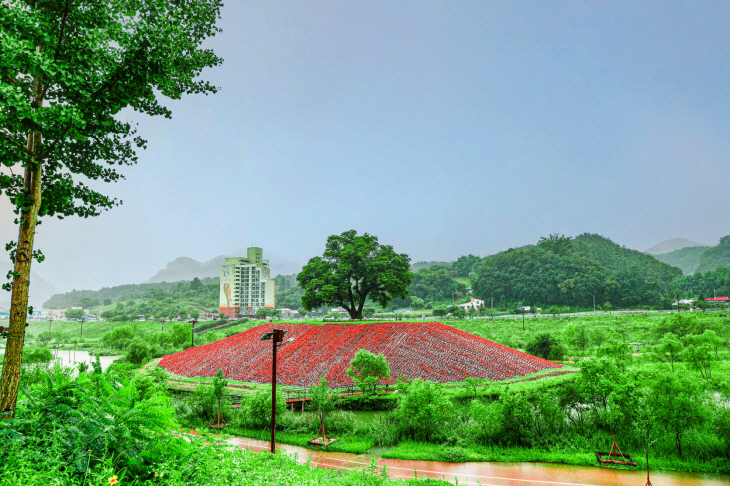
(427, 350)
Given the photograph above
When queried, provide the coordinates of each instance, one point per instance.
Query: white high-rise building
(246, 285)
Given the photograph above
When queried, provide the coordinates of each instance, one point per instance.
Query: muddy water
(69, 358)
(493, 474)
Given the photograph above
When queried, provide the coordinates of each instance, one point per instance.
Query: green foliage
(577, 335)
(545, 346)
(687, 259)
(715, 256)
(137, 352)
(71, 424)
(37, 355)
(180, 334)
(219, 384)
(257, 408)
(465, 265)
(352, 269)
(670, 348)
(324, 401)
(75, 313)
(559, 271)
(422, 410)
(152, 298)
(367, 369)
(435, 284)
(119, 338)
(679, 404)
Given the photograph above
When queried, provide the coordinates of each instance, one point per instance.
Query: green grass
(355, 444)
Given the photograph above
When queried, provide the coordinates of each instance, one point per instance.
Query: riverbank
(420, 451)
(483, 473)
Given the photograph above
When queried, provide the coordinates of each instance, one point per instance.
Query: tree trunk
(21, 279)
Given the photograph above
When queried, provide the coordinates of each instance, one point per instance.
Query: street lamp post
(277, 339)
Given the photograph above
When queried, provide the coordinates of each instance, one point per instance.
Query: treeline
(120, 293)
(699, 258)
(572, 272)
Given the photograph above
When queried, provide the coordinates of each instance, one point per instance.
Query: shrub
(545, 346)
(38, 355)
(257, 409)
(422, 411)
(137, 352)
(119, 338)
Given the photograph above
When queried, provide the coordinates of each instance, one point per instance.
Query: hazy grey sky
(443, 128)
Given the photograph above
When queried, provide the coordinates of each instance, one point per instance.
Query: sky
(443, 128)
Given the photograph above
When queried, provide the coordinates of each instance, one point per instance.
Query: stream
(492, 473)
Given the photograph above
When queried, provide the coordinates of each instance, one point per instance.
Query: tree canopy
(66, 72)
(367, 369)
(352, 269)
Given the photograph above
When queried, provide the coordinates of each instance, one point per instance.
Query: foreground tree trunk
(21, 278)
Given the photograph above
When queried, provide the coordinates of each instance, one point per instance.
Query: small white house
(472, 304)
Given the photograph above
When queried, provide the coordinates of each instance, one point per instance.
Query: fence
(296, 394)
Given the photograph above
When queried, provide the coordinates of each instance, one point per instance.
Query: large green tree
(367, 369)
(352, 269)
(67, 69)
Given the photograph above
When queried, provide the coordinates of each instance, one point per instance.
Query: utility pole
(523, 319)
(82, 329)
(192, 333)
(677, 302)
(594, 302)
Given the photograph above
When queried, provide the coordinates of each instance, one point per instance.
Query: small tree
(545, 346)
(440, 311)
(698, 352)
(670, 348)
(472, 383)
(137, 352)
(219, 386)
(367, 369)
(75, 313)
(323, 403)
(554, 310)
(195, 314)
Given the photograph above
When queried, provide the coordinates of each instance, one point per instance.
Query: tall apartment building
(246, 285)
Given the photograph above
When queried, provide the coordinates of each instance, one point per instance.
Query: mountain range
(39, 291)
(699, 259)
(672, 245)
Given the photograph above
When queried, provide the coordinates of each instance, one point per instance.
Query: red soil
(428, 350)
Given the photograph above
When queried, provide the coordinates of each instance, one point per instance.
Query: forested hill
(565, 271)
(699, 259)
(90, 298)
(618, 259)
(688, 259)
(715, 256)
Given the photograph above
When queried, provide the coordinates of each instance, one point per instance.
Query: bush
(119, 338)
(383, 430)
(38, 355)
(545, 346)
(257, 409)
(137, 352)
(422, 411)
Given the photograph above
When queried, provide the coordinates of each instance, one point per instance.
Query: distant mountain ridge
(699, 259)
(185, 268)
(673, 245)
(688, 259)
(39, 292)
